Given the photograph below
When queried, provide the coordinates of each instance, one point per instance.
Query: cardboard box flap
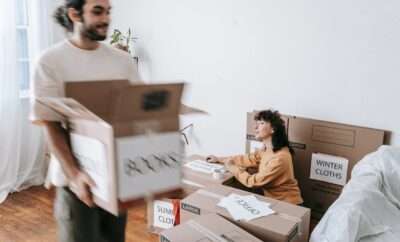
(145, 127)
(147, 102)
(210, 227)
(42, 112)
(68, 108)
(97, 96)
(186, 110)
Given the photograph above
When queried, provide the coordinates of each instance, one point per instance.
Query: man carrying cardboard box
(80, 57)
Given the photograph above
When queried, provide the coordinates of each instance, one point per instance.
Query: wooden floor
(27, 216)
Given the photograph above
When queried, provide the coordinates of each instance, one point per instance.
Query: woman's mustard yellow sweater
(275, 174)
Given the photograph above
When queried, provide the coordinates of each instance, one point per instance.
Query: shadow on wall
(387, 138)
(144, 63)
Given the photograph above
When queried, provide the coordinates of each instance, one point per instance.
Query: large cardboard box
(289, 223)
(325, 154)
(210, 227)
(126, 137)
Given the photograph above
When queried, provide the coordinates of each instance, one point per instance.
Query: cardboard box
(290, 223)
(126, 137)
(336, 148)
(210, 227)
(192, 181)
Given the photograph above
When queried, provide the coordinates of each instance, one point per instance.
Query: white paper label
(91, 154)
(163, 215)
(148, 164)
(328, 168)
(245, 207)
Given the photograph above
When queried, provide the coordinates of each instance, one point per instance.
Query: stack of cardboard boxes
(288, 223)
(127, 138)
(325, 154)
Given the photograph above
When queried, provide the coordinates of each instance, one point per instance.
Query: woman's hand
(212, 159)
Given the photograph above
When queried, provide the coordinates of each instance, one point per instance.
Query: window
(23, 56)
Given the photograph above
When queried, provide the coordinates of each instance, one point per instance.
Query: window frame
(23, 25)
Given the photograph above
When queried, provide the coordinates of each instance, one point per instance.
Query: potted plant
(123, 41)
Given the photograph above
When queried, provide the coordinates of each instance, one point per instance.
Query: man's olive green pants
(77, 222)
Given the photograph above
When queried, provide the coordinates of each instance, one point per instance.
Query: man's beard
(91, 33)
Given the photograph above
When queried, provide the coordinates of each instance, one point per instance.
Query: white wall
(330, 60)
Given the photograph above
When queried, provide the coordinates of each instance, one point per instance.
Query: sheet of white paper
(329, 168)
(91, 154)
(163, 215)
(245, 207)
(253, 198)
(145, 164)
(203, 166)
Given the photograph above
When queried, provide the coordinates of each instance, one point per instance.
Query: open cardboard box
(210, 227)
(126, 137)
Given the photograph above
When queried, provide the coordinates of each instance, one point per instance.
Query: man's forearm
(59, 146)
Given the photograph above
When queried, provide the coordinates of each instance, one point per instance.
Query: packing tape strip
(210, 194)
(203, 230)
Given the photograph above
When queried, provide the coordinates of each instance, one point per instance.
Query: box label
(91, 155)
(299, 146)
(148, 164)
(328, 168)
(163, 214)
(190, 208)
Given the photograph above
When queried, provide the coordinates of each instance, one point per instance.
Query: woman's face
(263, 130)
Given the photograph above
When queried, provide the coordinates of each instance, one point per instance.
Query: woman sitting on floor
(275, 176)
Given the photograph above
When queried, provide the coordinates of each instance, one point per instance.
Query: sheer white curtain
(10, 108)
(22, 155)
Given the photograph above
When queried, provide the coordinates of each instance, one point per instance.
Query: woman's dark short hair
(279, 137)
(61, 13)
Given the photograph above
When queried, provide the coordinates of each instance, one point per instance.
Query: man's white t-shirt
(65, 62)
